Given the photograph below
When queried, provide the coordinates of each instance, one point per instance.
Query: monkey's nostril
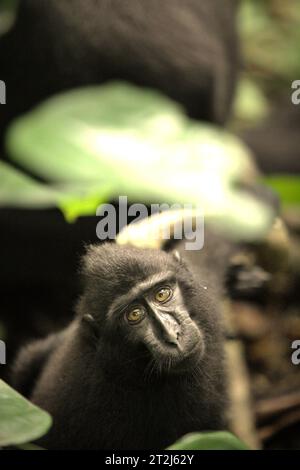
(172, 343)
(172, 339)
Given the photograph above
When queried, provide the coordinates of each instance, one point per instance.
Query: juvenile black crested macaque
(141, 364)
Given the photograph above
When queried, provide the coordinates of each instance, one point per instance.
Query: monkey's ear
(177, 255)
(90, 321)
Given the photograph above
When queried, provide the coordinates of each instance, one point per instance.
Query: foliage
(287, 187)
(8, 10)
(20, 420)
(20, 190)
(209, 441)
(270, 42)
(117, 139)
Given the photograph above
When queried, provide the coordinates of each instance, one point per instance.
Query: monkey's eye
(135, 315)
(163, 294)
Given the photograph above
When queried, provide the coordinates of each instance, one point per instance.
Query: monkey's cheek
(195, 346)
(189, 353)
(192, 341)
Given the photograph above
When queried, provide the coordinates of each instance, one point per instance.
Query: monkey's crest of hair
(112, 270)
(111, 262)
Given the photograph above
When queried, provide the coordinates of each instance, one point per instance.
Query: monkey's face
(141, 307)
(154, 315)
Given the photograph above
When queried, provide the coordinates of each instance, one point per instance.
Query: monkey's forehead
(112, 261)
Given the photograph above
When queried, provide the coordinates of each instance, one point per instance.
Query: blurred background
(176, 102)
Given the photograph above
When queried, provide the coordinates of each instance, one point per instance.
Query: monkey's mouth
(171, 358)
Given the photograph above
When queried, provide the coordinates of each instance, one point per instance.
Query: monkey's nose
(171, 332)
(168, 327)
(171, 337)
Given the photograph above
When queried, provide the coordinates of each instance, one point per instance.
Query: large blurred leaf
(8, 10)
(209, 441)
(20, 420)
(19, 190)
(124, 140)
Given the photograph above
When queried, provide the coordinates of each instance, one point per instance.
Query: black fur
(100, 384)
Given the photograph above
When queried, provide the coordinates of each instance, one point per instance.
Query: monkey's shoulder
(31, 361)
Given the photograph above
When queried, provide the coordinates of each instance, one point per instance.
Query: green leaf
(8, 11)
(20, 420)
(209, 441)
(287, 187)
(250, 106)
(19, 190)
(29, 447)
(270, 35)
(119, 139)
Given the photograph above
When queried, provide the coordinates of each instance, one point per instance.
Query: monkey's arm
(31, 361)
